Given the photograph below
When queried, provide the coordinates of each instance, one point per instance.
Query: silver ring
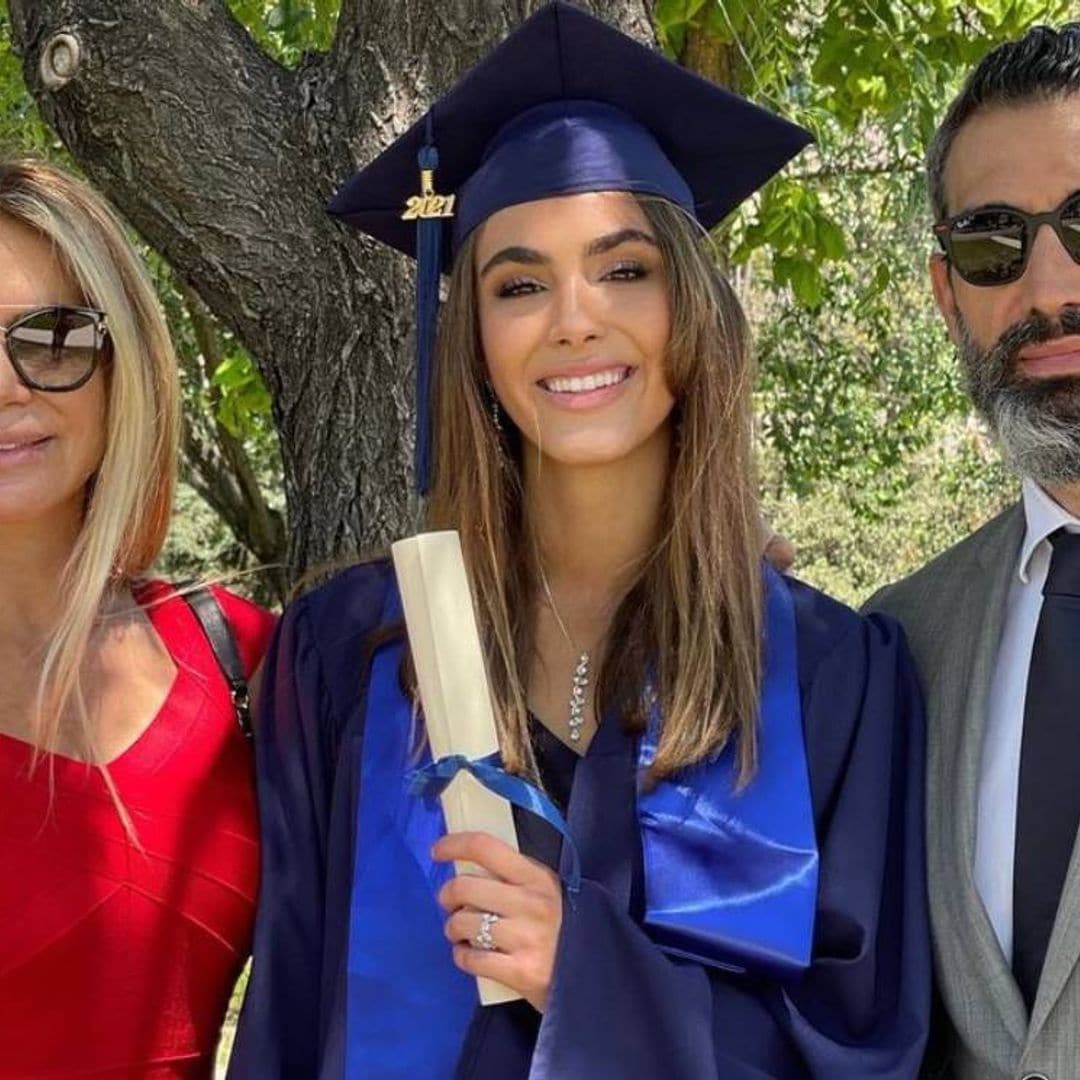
(484, 939)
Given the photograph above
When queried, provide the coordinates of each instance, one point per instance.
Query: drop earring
(496, 412)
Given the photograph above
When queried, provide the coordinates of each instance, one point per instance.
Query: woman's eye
(629, 271)
(518, 287)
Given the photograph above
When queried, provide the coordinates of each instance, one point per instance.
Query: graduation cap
(565, 104)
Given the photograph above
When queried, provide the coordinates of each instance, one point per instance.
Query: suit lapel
(965, 935)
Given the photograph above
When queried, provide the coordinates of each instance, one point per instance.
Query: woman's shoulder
(830, 632)
(323, 641)
(334, 616)
(860, 697)
(251, 624)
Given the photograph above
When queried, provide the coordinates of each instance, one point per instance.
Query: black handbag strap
(222, 640)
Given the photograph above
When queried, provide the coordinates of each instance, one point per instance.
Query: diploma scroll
(454, 689)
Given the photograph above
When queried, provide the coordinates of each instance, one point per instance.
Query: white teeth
(580, 384)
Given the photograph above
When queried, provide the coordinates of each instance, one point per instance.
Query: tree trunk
(223, 160)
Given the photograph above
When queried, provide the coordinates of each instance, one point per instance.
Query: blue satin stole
(730, 875)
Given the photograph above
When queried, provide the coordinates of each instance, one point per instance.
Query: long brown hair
(692, 620)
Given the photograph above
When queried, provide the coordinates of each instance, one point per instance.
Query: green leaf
(243, 399)
(802, 276)
(286, 29)
(672, 18)
(830, 239)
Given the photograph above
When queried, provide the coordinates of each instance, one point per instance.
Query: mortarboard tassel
(429, 210)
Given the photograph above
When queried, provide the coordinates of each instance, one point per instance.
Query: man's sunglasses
(990, 245)
(57, 348)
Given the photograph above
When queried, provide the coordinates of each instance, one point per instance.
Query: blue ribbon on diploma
(432, 780)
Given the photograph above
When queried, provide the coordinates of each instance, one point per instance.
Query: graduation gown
(619, 1006)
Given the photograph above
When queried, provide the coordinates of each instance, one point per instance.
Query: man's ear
(941, 281)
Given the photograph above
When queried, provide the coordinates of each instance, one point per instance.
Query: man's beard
(1036, 421)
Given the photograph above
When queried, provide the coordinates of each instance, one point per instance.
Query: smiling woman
(606, 299)
(127, 819)
(615, 284)
(734, 758)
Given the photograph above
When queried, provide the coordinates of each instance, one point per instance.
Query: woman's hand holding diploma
(526, 898)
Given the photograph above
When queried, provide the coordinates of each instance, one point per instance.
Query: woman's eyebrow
(605, 243)
(514, 254)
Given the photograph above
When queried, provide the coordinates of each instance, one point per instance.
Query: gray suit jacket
(953, 610)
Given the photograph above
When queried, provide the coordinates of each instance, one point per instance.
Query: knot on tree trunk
(60, 60)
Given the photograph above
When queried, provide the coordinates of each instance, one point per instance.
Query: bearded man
(995, 621)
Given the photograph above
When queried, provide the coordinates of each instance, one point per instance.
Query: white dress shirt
(999, 773)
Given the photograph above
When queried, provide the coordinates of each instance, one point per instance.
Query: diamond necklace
(580, 684)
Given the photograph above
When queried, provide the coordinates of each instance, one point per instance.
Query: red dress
(115, 961)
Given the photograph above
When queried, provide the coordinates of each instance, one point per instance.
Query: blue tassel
(428, 268)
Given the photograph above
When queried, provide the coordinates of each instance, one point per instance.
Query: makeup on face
(574, 321)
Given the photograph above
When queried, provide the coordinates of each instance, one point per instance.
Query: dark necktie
(1048, 798)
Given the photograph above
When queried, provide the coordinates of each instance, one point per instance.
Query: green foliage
(869, 78)
(243, 403)
(857, 376)
(854, 387)
(728, 22)
(22, 131)
(217, 374)
(199, 545)
(287, 29)
(802, 237)
(947, 491)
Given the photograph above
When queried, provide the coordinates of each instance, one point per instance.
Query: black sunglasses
(990, 245)
(56, 348)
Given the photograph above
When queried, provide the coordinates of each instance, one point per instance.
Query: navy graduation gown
(619, 1007)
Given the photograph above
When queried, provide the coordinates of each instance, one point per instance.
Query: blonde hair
(692, 620)
(129, 499)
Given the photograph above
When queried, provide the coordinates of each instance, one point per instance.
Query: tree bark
(223, 160)
(712, 57)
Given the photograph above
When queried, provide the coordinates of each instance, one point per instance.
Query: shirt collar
(1044, 516)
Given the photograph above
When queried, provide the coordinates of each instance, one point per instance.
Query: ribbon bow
(430, 781)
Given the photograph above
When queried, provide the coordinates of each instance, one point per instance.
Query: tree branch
(218, 465)
(170, 107)
(843, 172)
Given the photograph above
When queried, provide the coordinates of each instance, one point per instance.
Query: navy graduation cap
(565, 104)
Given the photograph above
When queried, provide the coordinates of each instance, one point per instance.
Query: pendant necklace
(579, 686)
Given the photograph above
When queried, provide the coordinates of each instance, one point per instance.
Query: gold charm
(427, 204)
